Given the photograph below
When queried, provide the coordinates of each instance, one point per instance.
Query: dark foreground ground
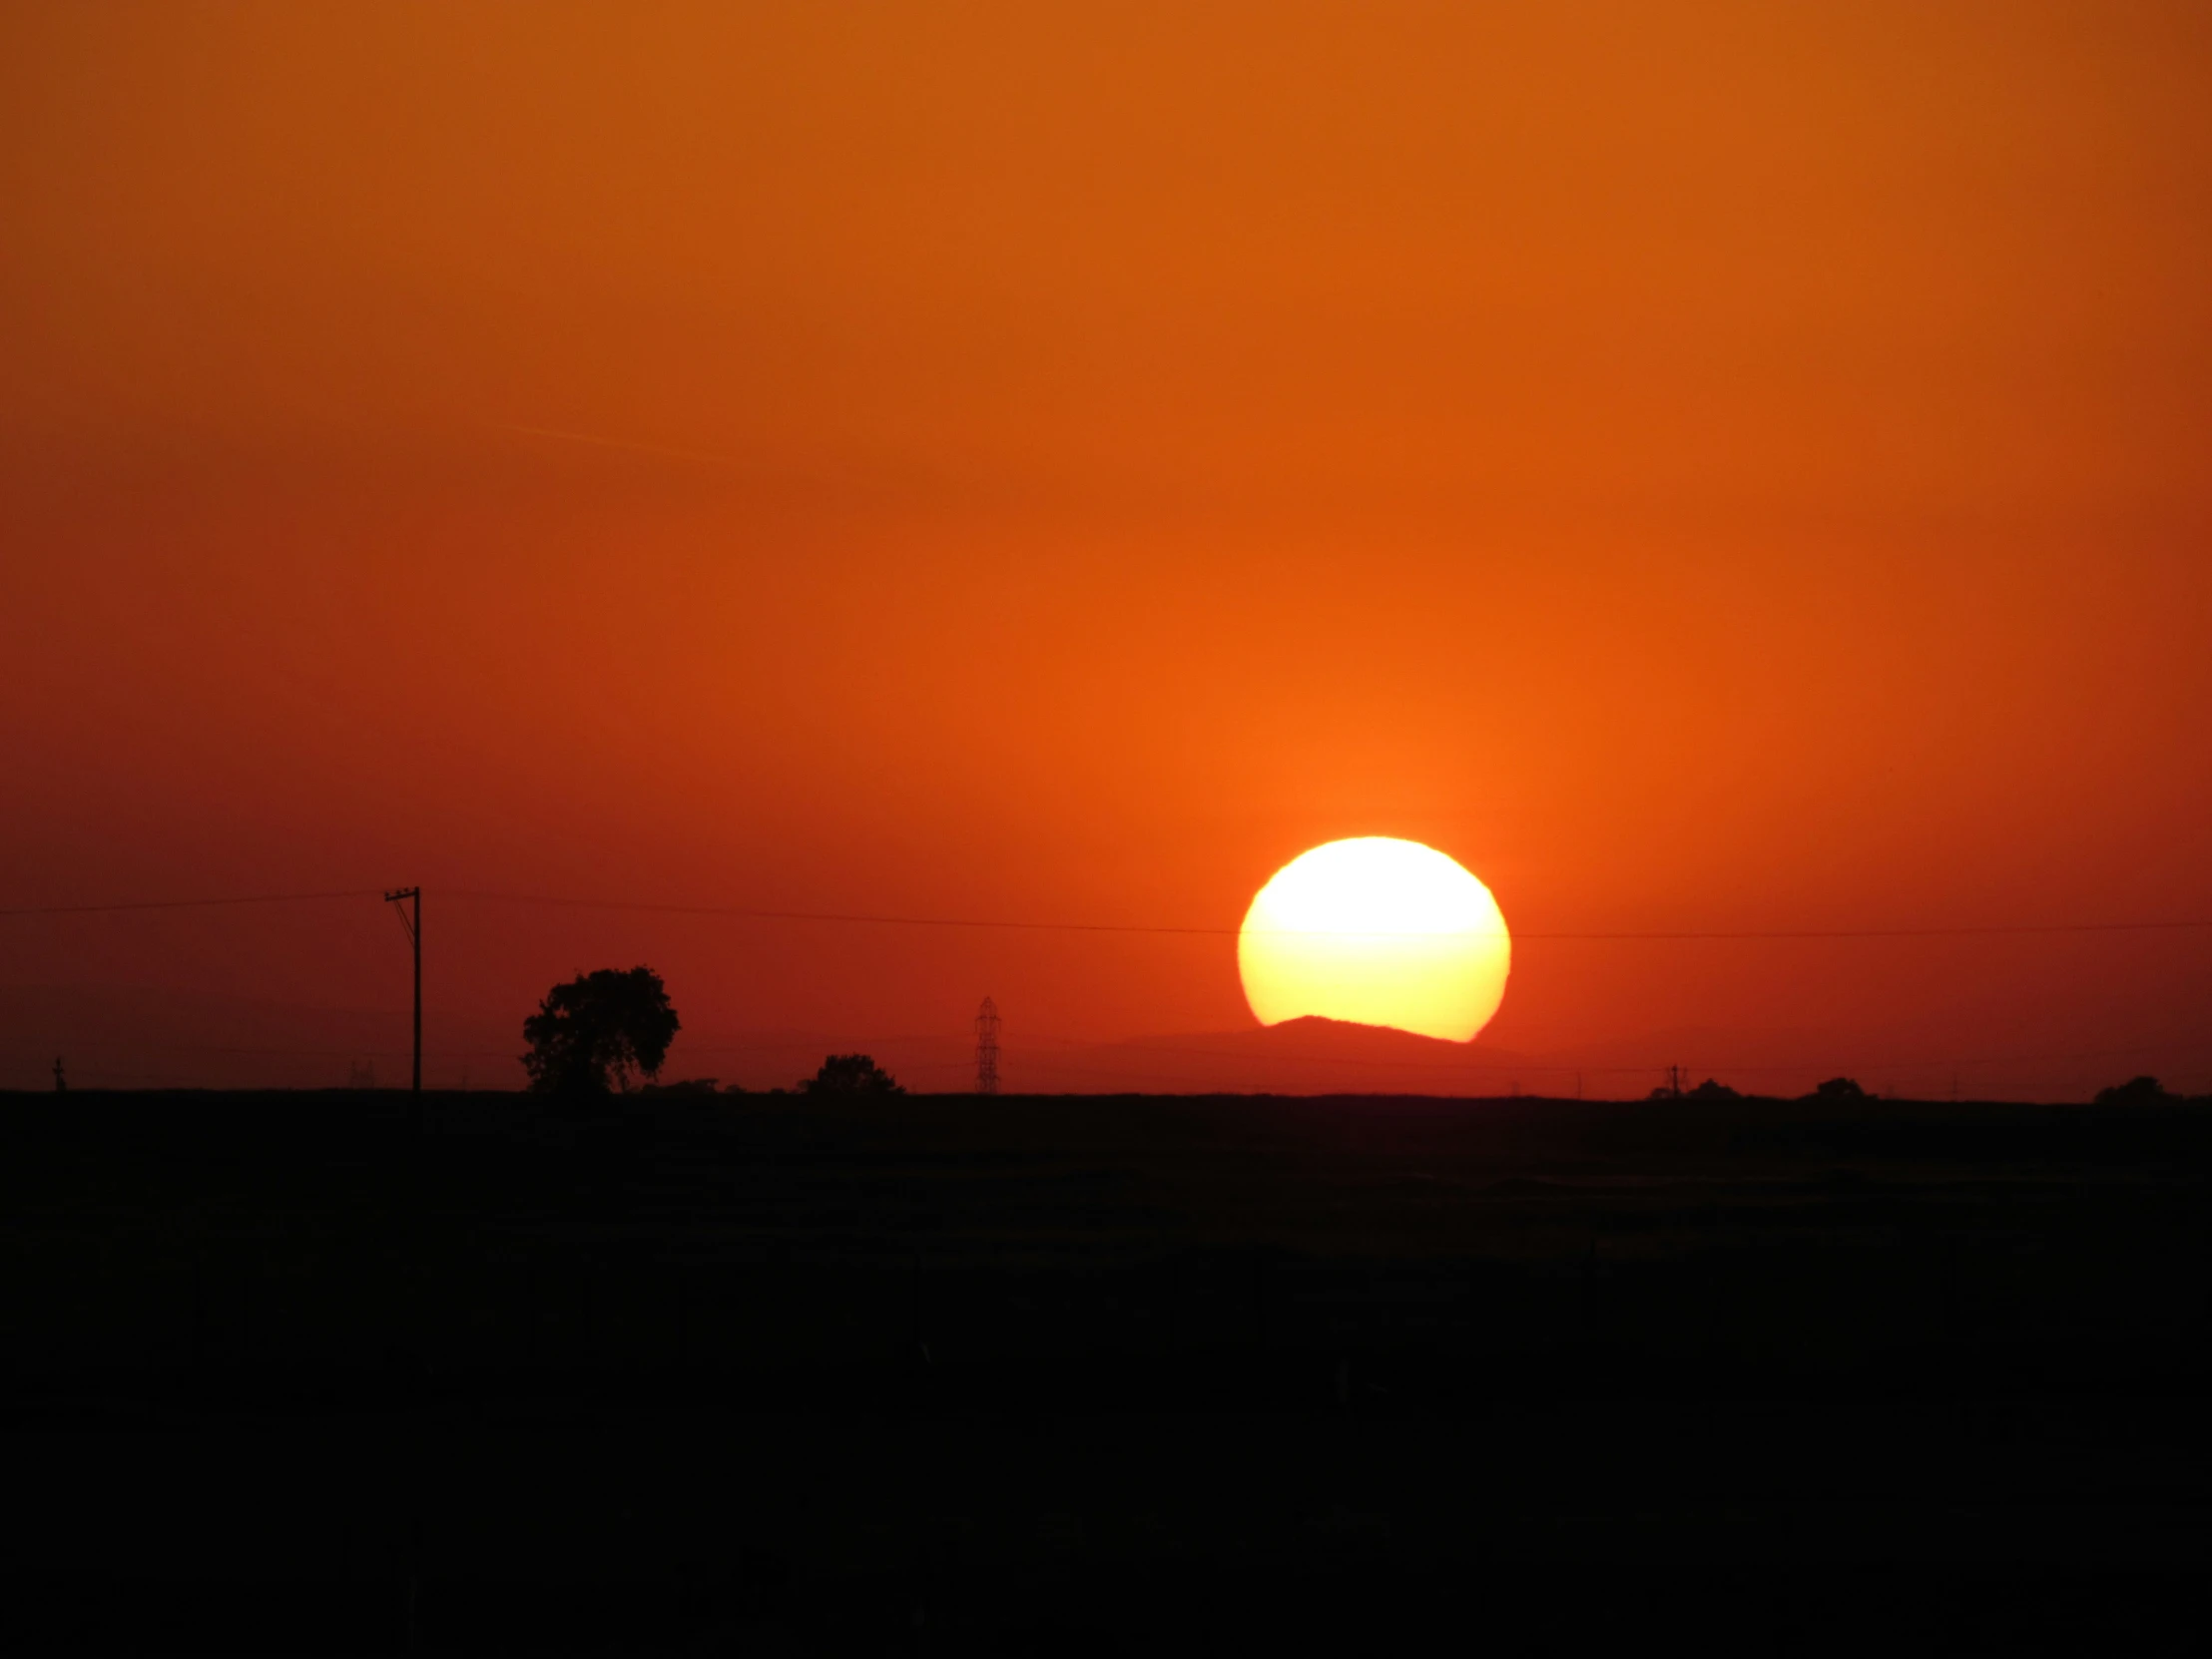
(1095, 1376)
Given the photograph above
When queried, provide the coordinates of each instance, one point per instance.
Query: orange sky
(1703, 465)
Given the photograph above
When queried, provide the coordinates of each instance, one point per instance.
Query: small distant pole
(61, 1078)
(411, 1565)
(986, 1048)
(413, 924)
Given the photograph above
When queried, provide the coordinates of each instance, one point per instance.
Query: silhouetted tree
(1711, 1090)
(852, 1074)
(2136, 1091)
(1839, 1089)
(590, 1034)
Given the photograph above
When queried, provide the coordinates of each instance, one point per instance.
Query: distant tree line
(592, 1034)
(1844, 1091)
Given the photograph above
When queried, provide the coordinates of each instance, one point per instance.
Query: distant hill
(1300, 1056)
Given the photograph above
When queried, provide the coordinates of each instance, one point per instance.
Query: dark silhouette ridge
(591, 1034)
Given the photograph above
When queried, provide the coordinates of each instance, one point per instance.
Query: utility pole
(413, 924)
(411, 1328)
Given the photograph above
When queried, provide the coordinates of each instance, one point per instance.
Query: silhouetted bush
(590, 1034)
(2136, 1091)
(1839, 1089)
(1710, 1089)
(852, 1074)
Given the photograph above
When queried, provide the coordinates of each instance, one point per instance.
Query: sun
(1377, 931)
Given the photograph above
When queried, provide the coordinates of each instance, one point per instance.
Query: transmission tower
(986, 1048)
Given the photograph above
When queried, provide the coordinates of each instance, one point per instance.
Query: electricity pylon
(986, 1048)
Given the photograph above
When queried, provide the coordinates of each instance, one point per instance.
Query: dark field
(1111, 1376)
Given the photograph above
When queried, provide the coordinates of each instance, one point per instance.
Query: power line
(886, 919)
(1993, 930)
(188, 903)
(748, 913)
(890, 921)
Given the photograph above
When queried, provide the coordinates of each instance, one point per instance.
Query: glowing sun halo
(1379, 932)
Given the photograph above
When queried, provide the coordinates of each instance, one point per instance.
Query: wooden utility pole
(413, 924)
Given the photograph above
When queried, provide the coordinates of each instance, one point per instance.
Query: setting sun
(1377, 931)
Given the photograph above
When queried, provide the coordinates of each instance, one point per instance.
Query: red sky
(1703, 466)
